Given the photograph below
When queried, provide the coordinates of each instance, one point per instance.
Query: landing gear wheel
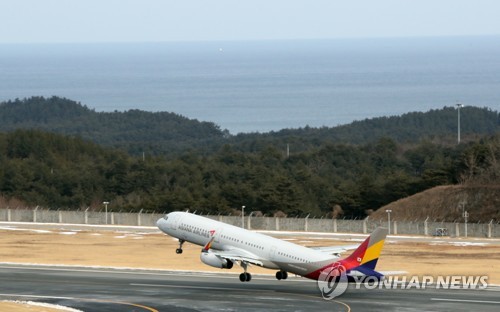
(245, 277)
(281, 275)
(179, 250)
(278, 275)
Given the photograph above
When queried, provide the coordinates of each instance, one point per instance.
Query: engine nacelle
(212, 260)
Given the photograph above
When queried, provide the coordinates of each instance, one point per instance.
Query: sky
(65, 21)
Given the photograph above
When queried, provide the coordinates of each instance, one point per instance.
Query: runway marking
(194, 287)
(465, 300)
(344, 304)
(81, 299)
(227, 288)
(336, 301)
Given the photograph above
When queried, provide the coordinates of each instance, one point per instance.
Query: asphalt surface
(126, 290)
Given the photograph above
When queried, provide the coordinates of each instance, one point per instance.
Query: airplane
(225, 244)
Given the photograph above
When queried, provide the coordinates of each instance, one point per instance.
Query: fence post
(306, 221)
(60, 216)
(365, 225)
(334, 225)
(34, 214)
(249, 221)
(490, 228)
(457, 229)
(112, 218)
(8, 214)
(139, 218)
(277, 221)
(87, 215)
(426, 227)
(395, 227)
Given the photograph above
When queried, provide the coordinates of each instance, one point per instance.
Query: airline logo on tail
(363, 259)
(367, 254)
(332, 280)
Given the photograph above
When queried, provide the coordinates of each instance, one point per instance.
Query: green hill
(439, 126)
(164, 133)
(135, 131)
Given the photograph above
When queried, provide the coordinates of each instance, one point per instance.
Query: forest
(50, 160)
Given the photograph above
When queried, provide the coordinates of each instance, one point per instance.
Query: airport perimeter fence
(427, 228)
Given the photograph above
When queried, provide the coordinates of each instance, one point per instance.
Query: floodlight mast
(389, 220)
(106, 203)
(458, 122)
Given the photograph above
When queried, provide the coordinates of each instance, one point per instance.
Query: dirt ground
(157, 251)
(24, 307)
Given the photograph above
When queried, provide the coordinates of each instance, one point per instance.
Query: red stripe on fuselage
(349, 263)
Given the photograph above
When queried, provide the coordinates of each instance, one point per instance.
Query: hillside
(135, 131)
(164, 133)
(439, 126)
(211, 171)
(444, 203)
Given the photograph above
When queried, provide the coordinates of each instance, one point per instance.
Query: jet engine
(212, 260)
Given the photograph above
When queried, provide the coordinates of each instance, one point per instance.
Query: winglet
(367, 254)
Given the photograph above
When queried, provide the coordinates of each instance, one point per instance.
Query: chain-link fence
(428, 228)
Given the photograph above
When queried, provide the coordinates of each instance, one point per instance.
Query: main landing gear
(179, 250)
(281, 275)
(245, 276)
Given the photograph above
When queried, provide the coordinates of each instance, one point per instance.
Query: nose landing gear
(179, 250)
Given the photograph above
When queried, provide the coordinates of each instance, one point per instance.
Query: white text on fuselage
(194, 230)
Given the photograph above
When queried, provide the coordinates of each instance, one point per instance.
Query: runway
(128, 290)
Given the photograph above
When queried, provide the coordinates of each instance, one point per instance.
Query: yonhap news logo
(422, 282)
(332, 281)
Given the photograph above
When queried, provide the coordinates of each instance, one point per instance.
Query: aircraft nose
(159, 222)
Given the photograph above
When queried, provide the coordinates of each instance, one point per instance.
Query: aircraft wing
(238, 255)
(335, 249)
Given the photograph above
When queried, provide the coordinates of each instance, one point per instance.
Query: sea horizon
(261, 86)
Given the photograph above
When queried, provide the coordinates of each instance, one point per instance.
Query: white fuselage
(272, 252)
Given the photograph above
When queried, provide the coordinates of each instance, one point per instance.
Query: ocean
(261, 86)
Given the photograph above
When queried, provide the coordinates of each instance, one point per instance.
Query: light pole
(106, 210)
(243, 216)
(389, 220)
(458, 128)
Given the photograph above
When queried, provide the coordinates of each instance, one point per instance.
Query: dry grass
(157, 251)
(443, 203)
